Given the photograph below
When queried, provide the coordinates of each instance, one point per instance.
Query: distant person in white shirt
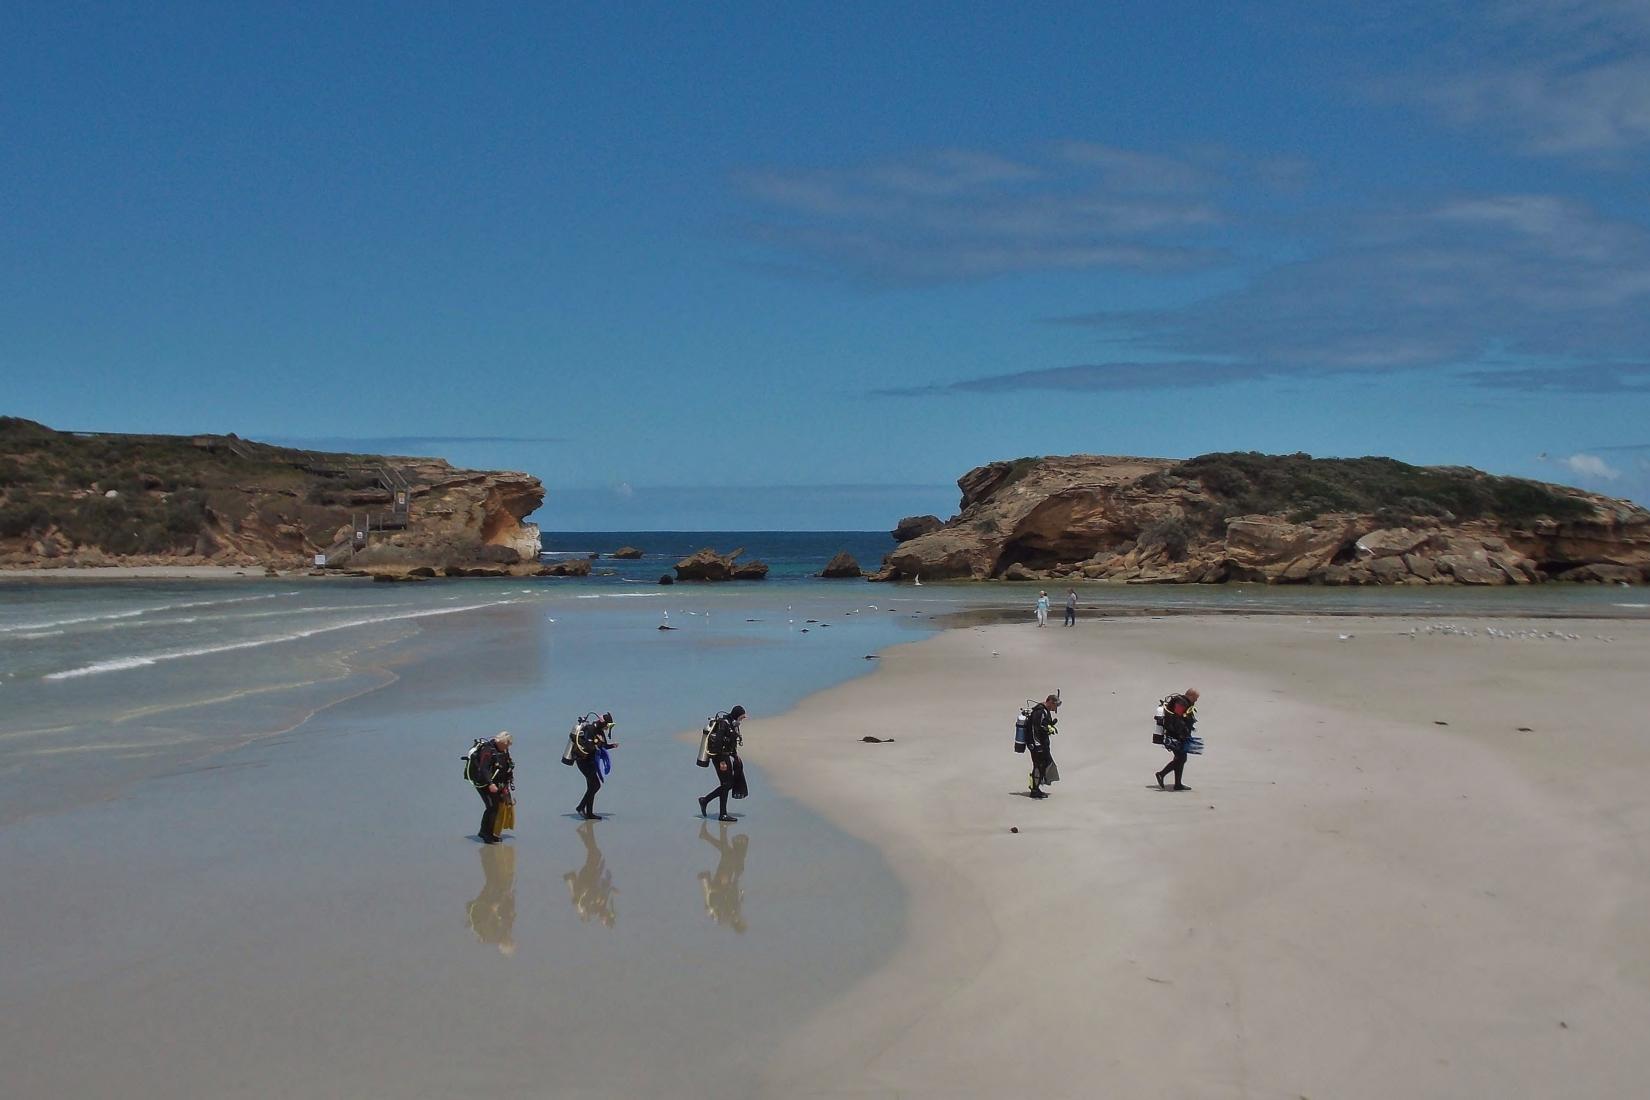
(1042, 609)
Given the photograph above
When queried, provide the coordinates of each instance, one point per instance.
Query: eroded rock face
(1130, 520)
(913, 526)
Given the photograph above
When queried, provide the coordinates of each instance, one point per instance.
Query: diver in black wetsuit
(1039, 726)
(590, 741)
(723, 747)
(1179, 716)
(493, 774)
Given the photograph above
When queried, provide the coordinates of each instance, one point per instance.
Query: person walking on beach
(1042, 609)
(592, 737)
(1179, 717)
(1040, 726)
(493, 774)
(1071, 607)
(723, 747)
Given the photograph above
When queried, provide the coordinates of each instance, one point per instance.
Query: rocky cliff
(1287, 519)
(79, 499)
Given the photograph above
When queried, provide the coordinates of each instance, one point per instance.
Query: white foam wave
(112, 616)
(121, 664)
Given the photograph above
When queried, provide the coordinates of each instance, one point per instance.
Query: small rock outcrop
(708, 565)
(915, 526)
(843, 565)
(1274, 519)
(568, 567)
(627, 553)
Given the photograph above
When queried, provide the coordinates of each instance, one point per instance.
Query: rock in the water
(627, 553)
(843, 565)
(569, 567)
(708, 565)
(666, 578)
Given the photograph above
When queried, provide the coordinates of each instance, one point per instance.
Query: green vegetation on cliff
(168, 489)
(1302, 487)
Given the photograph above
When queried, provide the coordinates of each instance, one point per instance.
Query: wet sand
(1408, 866)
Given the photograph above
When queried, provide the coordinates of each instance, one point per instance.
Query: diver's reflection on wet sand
(591, 886)
(723, 894)
(492, 914)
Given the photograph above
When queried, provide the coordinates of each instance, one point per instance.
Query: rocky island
(1280, 519)
(82, 499)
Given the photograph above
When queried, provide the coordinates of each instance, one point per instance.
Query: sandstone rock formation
(629, 553)
(222, 500)
(913, 526)
(843, 565)
(1273, 519)
(708, 565)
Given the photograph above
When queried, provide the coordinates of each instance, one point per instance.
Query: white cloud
(959, 214)
(1587, 465)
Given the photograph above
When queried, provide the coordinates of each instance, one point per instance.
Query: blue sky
(792, 266)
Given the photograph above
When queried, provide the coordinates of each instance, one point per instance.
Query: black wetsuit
(493, 767)
(1039, 723)
(1178, 720)
(586, 743)
(730, 770)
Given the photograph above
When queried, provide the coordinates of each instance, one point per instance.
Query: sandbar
(1411, 864)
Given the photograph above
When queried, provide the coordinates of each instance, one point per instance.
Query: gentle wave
(110, 616)
(121, 664)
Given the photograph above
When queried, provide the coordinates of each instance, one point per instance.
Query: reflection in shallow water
(723, 894)
(492, 914)
(591, 886)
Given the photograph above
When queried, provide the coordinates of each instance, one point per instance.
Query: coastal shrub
(1172, 533)
(1019, 468)
(22, 517)
(1303, 487)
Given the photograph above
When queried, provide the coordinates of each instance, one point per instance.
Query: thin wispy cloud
(1591, 466)
(373, 442)
(961, 214)
(1094, 377)
(1523, 292)
(1555, 77)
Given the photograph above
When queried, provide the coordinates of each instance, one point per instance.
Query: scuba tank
(567, 753)
(1157, 734)
(1020, 731)
(703, 759)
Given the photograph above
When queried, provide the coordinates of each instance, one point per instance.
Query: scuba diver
(588, 745)
(720, 748)
(492, 772)
(723, 895)
(591, 886)
(1040, 726)
(492, 913)
(1178, 715)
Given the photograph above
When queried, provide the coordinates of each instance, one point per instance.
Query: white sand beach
(1355, 900)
